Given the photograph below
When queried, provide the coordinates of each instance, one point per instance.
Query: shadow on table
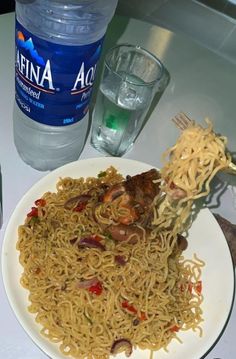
(218, 186)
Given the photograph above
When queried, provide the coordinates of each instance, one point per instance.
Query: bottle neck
(77, 23)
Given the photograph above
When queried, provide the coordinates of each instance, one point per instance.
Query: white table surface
(202, 84)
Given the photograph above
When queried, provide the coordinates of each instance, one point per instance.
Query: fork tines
(182, 121)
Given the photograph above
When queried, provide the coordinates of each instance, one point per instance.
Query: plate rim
(54, 175)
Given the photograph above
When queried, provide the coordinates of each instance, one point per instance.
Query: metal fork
(182, 121)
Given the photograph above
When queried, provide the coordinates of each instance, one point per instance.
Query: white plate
(205, 238)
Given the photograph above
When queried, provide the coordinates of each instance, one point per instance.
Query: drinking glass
(131, 77)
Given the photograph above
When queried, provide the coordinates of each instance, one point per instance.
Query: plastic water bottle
(58, 44)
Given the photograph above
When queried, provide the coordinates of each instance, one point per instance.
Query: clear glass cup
(131, 77)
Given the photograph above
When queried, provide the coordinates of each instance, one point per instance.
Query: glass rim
(141, 50)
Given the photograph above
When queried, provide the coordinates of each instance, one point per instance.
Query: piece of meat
(182, 242)
(114, 192)
(142, 187)
(175, 192)
(136, 195)
(122, 232)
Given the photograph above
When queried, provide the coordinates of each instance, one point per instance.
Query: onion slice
(74, 201)
(124, 344)
(89, 242)
(120, 260)
(87, 283)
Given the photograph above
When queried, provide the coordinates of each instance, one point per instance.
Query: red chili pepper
(143, 316)
(132, 309)
(97, 237)
(33, 212)
(96, 288)
(172, 185)
(129, 307)
(198, 287)
(40, 202)
(175, 328)
(190, 287)
(80, 207)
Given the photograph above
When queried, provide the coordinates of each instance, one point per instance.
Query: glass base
(102, 148)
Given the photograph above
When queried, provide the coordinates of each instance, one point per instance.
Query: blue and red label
(54, 82)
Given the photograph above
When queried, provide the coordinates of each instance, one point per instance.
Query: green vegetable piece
(102, 174)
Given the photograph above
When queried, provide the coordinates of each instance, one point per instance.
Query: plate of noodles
(80, 291)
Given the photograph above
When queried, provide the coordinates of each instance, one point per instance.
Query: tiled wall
(211, 28)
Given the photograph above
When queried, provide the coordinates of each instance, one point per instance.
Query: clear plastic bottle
(58, 44)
